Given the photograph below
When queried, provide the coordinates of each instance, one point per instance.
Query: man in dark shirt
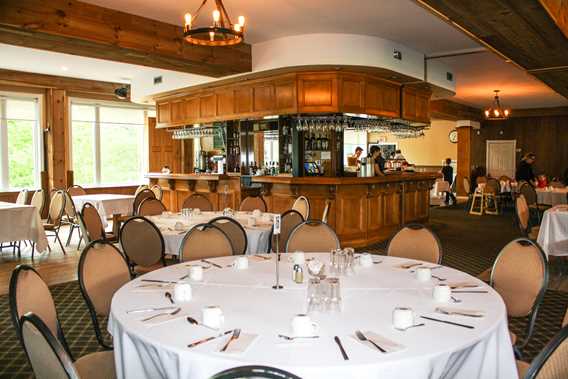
(378, 160)
(448, 173)
(525, 171)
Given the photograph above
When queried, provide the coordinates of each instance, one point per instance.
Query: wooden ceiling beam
(449, 110)
(519, 30)
(73, 27)
(558, 11)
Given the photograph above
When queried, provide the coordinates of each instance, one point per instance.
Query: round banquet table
(258, 236)
(554, 196)
(436, 350)
(553, 231)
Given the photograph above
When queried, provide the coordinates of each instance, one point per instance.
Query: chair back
(76, 190)
(493, 186)
(140, 189)
(415, 241)
(557, 184)
(523, 214)
(56, 207)
(254, 372)
(144, 194)
(142, 242)
(198, 201)
(29, 293)
(46, 355)
(552, 361)
(204, 241)
(91, 222)
(528, 191)
(466, 185)
(481, 179)
(236, 233)
(520, 276)
(505, 178)
(70, 210)
(157, 189)
(38, 200)
(312, 236)
(22, 197)
(326, 211)
(288, 222)
(302, 205)
(102, 271)
(251, 203)
(151, 207)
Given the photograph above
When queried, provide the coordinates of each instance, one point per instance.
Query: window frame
(37, 138)
(97, 104)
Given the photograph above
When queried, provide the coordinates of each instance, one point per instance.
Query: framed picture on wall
(387, 148)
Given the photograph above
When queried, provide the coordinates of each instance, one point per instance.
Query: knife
(338, 342)
(211, 263)
(158, 281)
(150, 309)
(448, 322)
(209, 339)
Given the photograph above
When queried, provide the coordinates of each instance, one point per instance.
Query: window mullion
(3, 146)
(97, 146)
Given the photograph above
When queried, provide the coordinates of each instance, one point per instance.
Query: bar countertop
(319, 180)
(173, 176)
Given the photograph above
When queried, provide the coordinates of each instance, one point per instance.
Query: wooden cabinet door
(263, 97)
(416, 104)
(225, 102)
(208, 106)
(352, 98)
(243, 100)
(286, 100)
(163, 112)
(177, 112)
(317, 93)
(192, 109)
(382, 99)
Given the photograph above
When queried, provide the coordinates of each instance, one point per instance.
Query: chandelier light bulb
(237, 27)
(188, 19)
(496, 112)
(216, 16)
(212, 36)
(486, 113)
(242, 21)
(506, 111)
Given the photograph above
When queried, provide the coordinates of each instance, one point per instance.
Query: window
(20, 142)
(108, 146)
(351, 140)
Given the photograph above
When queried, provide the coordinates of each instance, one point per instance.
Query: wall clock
(453, 136)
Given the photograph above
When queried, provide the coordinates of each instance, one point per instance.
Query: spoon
(169, 297)
(288, 338)
(193, 321)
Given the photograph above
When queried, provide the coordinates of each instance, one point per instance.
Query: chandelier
(221, 33)
(496, 111)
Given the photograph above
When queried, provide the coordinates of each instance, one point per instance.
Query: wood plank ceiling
(73, 27)
(522, 31)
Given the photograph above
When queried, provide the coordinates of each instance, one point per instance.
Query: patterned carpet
(470, 244)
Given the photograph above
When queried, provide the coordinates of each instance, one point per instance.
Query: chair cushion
(140, 270)
(522, 368)
(96, 366)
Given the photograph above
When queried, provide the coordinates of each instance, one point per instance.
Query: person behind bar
(398, 155)
(525, 169)
(379, 161)
(448, 173)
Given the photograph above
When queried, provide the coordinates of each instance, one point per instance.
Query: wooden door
(501, 158)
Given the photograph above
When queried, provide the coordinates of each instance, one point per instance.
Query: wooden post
(464, 157)
(57, 138)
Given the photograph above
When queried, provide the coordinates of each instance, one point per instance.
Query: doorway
(501, 158)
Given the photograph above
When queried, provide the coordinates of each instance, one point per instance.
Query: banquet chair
(102, 271)
(415, 241)
(142, 244)
(151, 207)
(49, 360)
(146, 193)
(236, 233)
(55, 218)
(92, 225)
(198, 201)
(288, 222)
(38, 200)
(140, 188)
(492, 196)
(520, 276)
(467, 189)
(326, 209)
(528, 191)
(157, 189)
(551, 362)
(302, 205)
(251, 203)
(254, 372)
(523, 219)
(22, 197)
(312, 236)
(76, 190)
(29, 293)
(204, 241)
(71, 218)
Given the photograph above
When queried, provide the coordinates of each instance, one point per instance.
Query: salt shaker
(298, 274)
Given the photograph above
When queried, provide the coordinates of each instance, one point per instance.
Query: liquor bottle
(313, 142)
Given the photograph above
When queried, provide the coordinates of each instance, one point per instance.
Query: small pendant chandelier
(221, 33)
(496, 111)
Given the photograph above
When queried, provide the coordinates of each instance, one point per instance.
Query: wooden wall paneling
(317, 92)
(392, 198)
(352, 226)
(243, 100)
(376, 215)
(263, 97)
(382, 98)
(207, 106)
(352, 93)
(285, 93)
(225, 102)
(464, 164)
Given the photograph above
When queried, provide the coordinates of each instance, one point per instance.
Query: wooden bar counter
(224, 191)
(363, 210)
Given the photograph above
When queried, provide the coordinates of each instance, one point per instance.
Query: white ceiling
(401, 21)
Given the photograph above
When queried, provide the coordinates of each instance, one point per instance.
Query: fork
(236, 334)
(175, 312)
(288, 338)
(456, 313)
(363, 337)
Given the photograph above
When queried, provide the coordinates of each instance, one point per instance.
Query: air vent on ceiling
(449, 76)
(157, 80)
(397, 54)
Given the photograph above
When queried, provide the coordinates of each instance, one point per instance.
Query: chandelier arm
(198, 11)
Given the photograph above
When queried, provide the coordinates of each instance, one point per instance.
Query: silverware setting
(262, 257)
(470, 291)
(457, 313)
(377, 262)
(431, 268)
(150, 309)
(159, 281)
(193, 321)
(169, 296)
(439, 278)
(455, 300)
(204, 267)
(410, 265)
(236, 334)
(338, 342)
(175, 312)
(448, 322)
(211, 263)
(362, 337)
(411, 326)
(288, 338)
(196, 343)
(184, 277)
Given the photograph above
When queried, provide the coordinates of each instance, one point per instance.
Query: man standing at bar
(379, 161)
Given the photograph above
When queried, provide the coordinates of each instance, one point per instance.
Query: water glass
(333, 301)
(186, 212)
(315, 301)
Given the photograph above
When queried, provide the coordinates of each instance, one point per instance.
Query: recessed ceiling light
(64, 68)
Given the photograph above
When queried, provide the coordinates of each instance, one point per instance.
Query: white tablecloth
(248, 302)
(21, 223)
(106, 204)
(258, 236)
(553, 197)
(553, 233)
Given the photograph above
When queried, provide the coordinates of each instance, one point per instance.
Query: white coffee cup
(442, 293)
(252, 221)
(366, 260)
(182, 292)
(257, 213)
(402, 318)
(298, 257)
(212, 316)
(302, 326)
(196, 211)
(423, 274)
(241, 263)
(179, 226)
(196, 273)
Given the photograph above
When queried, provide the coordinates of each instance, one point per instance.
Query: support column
(57, 138)
(465, 130)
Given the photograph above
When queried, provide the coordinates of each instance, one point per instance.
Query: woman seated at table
(525, 169)
(379, 161)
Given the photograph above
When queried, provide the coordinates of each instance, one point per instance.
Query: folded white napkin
(386, 344)
(460, 312)
(456, 285)
(241, 344)
(163, 318)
